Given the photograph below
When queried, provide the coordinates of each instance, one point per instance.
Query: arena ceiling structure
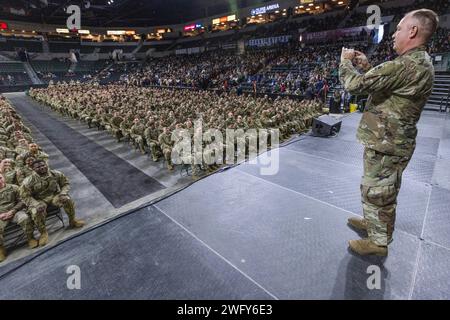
(117, 13)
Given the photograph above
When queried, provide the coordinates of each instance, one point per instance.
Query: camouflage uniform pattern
(156, 109)
(398, 90)
(10, 200)
(37, 192)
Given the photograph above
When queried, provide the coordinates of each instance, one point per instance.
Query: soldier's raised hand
(361, 60)
(347, 54)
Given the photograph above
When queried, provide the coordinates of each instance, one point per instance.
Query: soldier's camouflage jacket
(9, 199)
(36, 188)
(398, 90)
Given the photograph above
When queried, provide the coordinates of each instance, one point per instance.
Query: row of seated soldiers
(27, 185)
(148, 116)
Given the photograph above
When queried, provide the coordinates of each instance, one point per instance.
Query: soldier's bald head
(427, 22)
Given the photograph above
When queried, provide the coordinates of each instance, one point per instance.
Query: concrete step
(440, 92)
(431, 107)
(438, 102)
(436, 97)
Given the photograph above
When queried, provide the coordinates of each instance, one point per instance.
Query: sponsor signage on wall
(224, 19)
(120, 32)
(268, 42)
(265, 9)
(192, 27)
(333, 34)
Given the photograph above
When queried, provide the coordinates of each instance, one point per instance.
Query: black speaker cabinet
(326, 126)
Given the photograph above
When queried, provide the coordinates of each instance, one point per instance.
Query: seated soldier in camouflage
(8, 171)
(3, 141)
(96, 120)
(151, 138)
(25, 168)
(12, 210)
(6, 153)
(165, 141)
(17, 126)
(114, 126)
(35, 151)
(43, 188)
(125, 127)
(87, 116)
(137, 134)
(23, 147)
(14, 139)
(105, 120)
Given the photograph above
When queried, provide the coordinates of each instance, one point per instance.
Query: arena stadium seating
(63, 46)
(13, 73)
(13, 44)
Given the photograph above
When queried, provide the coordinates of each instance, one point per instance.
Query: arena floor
(236, 234)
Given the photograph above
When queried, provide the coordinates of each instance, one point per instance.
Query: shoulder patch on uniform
(27, 179)
(387, 68)
(55, 172)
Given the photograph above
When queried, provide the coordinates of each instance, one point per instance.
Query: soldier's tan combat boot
(366, 247)
(74, 223)
(358, 223)
(2, 253)
(155, 159)
(170, 167)
(210, 169)
(43, 240)
(32, 243)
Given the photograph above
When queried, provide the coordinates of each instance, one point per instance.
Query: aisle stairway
(440, 99)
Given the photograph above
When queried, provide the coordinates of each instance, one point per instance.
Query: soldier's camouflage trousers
(96, 123)
(379, 189)
(167, 152)
(138, 142)
(22, 219)
(153, 144)
(39, 219)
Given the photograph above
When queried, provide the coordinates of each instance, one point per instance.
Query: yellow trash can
(353, 107)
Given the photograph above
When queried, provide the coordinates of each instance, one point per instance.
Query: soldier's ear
(413, 32)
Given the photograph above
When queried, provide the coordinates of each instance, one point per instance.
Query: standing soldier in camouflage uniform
(43, 188)
(11, 209)
(398, 91)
